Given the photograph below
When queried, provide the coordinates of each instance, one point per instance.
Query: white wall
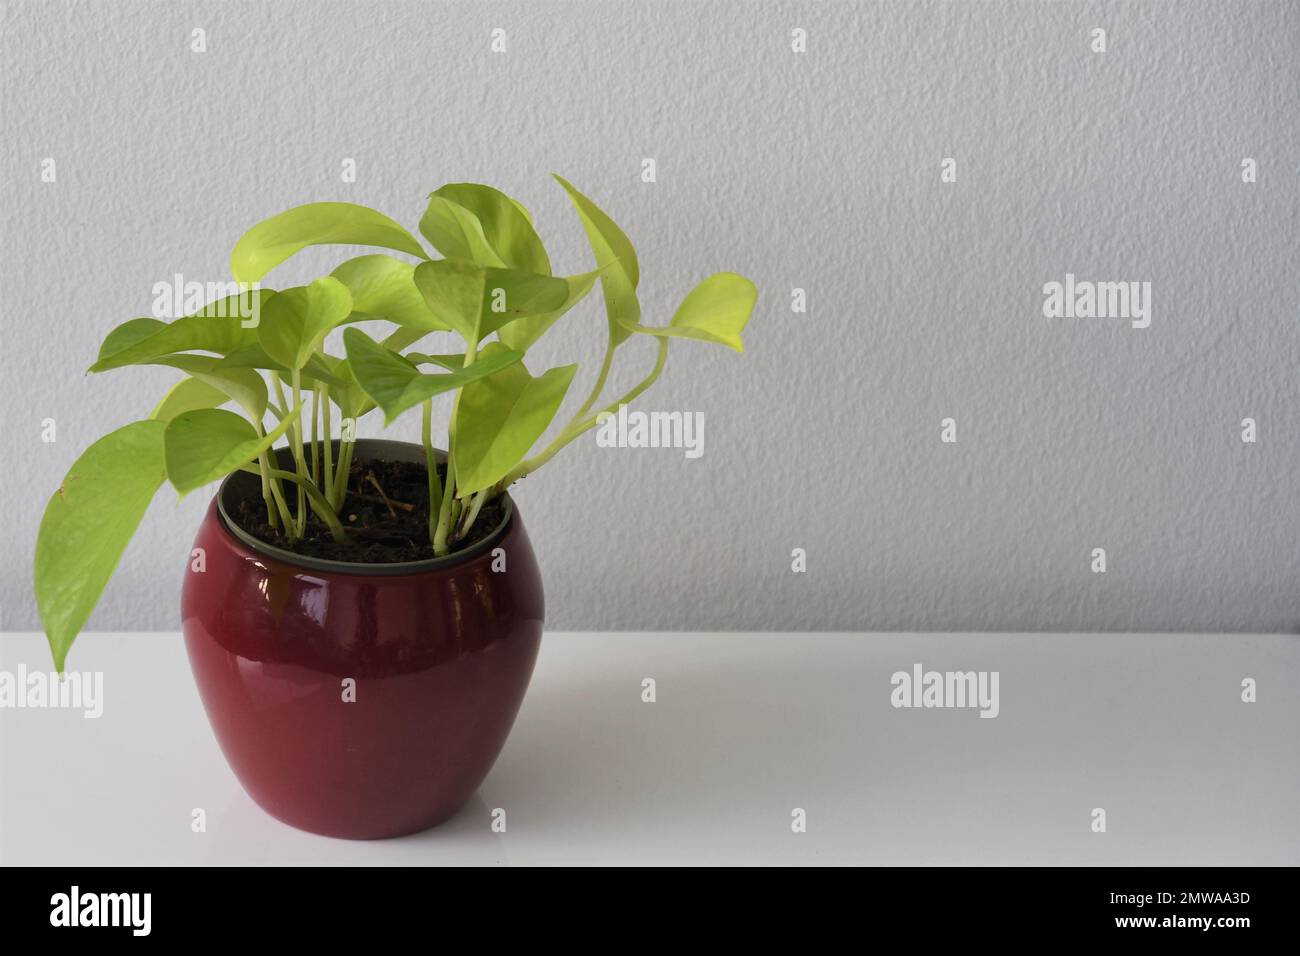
(818, 171)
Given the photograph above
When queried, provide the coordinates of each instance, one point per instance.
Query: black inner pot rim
(242, 483)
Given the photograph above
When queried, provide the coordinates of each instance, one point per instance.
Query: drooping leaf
(209, 443)
(403, 338)
(222, 326)
(476, 301)
(129, 333)
(485, 226)
(296, 321)
(384, 287)
(272, 241)
(185, 396)
(615, 256)
(522, 333)
(451, 361)
(396, 384)
(244, 385)
(254, 356)
(88, 523)
(499, 418)
(350, 397)
(716, 310)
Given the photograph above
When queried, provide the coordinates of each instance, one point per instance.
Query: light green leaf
(272, 241)
(243, 385)
(254, 356)
(403, 338)
(129, 333)
(350, 397)
(384, 287)
(218, 327)
(476, 301)
(88, 523)
(209, 443)
(499, 418)
(522, 333)
(615, 256)
(296, 321)
(187, 395)
(716, 310)
(484, 225)
(396, 384)
(452, 361)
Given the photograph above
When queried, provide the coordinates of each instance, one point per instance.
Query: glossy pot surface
(350, 700)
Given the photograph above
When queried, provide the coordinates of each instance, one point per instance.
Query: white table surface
(746, 727)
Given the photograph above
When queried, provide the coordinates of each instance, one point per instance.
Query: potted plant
(361, 616)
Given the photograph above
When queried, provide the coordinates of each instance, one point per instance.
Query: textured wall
(818, 170)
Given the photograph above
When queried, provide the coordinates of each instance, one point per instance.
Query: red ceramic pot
(441, 652)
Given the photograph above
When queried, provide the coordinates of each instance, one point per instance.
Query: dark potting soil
(387, 518)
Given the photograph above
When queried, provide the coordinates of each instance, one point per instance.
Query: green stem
(445, 518)
(315, 442)
(600, 379)
(580, 426)
(318, 502)
(472, 514)
(344, 467)
(431, 464)
(272, 515)
(327, 476)
(277, 492)
(299, 458)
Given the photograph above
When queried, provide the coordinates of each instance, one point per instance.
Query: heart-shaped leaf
(296, 321)
(484, 225)
(476, 301)
(522, 333)
(716, 310)
(351, 398)
(221, 326)
(396, 384)
(129, 333)
(272, 241)
(243, 385)
(209, 443)
(620, 272)
(452, 361)
(499, 418)
(254, 356)
(384, 288)
(185, 396)
(88, 523)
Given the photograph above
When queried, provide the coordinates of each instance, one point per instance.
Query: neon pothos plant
(262, 352)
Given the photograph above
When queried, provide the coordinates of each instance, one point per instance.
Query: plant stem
(299, 458)
(472, 514)
(272, 518)
(345, 466)
(327, 477)
(277, 492)
(600, 379)
(431, 464)
(315, 443)
(318, 502)
(579, 426)
(444, 511)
